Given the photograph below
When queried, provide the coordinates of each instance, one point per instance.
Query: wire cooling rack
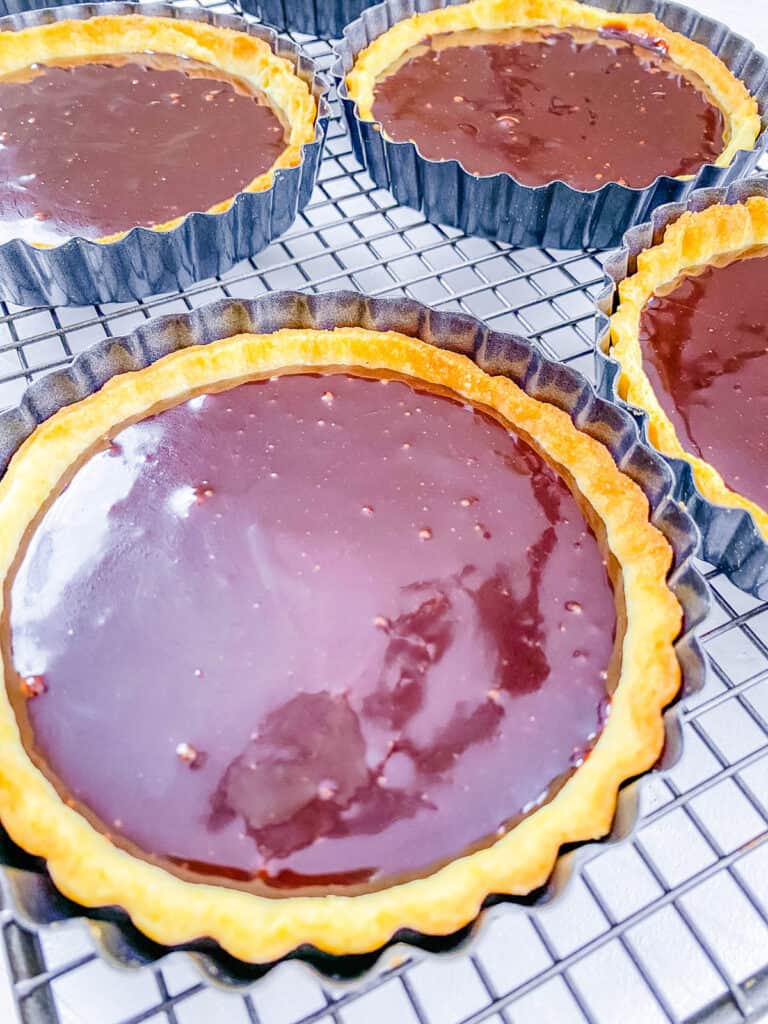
(669, 926)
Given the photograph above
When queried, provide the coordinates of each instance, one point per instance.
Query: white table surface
(750, 17)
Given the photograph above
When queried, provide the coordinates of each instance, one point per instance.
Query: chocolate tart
(682, 343)
(144, 149)
(485, 115)
(280, 444)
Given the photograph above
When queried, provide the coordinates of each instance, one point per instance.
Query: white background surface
(750, 18)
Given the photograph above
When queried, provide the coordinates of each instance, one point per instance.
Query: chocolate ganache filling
(94, 147)
(312, 633)
(705, 351)
(547, 104)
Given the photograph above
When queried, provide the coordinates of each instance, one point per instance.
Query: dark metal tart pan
(554, 215)
(324, 18)
(20, 6)
(731, 539)
(25, 883)
(145, 262)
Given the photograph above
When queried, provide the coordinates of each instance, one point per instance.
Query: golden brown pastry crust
(742, 120)
(235, 53)
(89, 869)
(713, 236)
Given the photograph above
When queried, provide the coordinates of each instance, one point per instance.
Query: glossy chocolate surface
(705, 348)
(312, 631)
(546, 105)
(92, 148)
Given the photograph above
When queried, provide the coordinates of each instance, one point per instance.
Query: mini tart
(713, 238)
(741, 121)
(93, 870)
(237, 54)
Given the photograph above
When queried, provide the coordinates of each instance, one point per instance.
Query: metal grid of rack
(671, 925)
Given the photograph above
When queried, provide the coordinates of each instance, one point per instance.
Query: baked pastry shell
(732, 538)
(145, 261)
(555, 214)
(27, 884)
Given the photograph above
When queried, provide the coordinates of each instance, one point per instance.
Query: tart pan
(20, 6)
(731, 539)
(554, 215)
(324, 18)
(144, 262)
(24, 880)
